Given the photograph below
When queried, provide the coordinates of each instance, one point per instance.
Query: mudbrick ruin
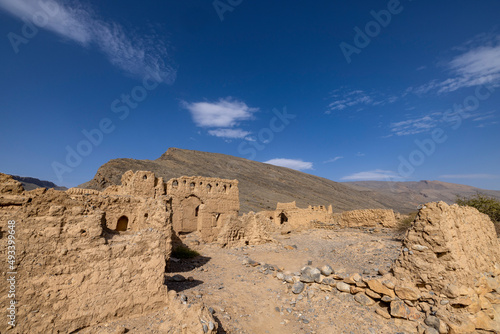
(86, 260)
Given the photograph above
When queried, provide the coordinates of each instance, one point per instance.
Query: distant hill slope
(261, 185)
(30, 183)
(414, 193)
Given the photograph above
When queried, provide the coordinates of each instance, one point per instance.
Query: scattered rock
(407, 292)
(328, 281)
(298, 287)
(344, 287)
(310, 275)
(363, 299)
(372, 294)
(399, 309)
(326, 270)
(382, 312)
(178, 278)
(377, 286)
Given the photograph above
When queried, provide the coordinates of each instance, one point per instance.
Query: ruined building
(289, 215)
(83, 257)
(195, 203)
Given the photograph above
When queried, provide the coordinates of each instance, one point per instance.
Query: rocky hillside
(415, 193)
(261, 185)
(30, 183)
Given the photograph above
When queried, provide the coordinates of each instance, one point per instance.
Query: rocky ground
(241, 287)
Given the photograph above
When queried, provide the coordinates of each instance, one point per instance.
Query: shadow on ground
(181, 286)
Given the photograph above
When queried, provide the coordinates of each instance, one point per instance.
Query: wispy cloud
(426, 123)
(372, 175)
(485, 117)
(477, 64)
(344, 98)
(229, 133)
(136, 55)
(469, 176)
(416, 125)
(296, 164)
(332, 160)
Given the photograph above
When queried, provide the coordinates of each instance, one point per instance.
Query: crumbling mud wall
(139, 203)
(202, 204)
(140, 183)
(71, 272)
(453, 254)
(289, 216)
(367, 218)
(9, 186)
(448, 245)
(249, 229)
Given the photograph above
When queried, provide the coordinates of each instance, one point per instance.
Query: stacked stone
(456, 310)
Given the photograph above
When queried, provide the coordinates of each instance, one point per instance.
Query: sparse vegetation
(484, 204)
(183, 252)
(405, 224)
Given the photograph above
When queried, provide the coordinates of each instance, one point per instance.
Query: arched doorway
(122, 223)
(283, 218)
(190, 213)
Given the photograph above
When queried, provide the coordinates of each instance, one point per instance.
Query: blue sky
(365, 90)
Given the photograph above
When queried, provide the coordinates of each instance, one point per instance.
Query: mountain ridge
(263, 185)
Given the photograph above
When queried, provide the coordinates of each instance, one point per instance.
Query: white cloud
(469, 176)
(373, 175)
(229, 133)
(344, 98)
(333, 160)
(296, 164)
(136, 55)
(225, 113)
(478, 64)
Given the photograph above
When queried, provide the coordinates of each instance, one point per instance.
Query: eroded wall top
(203, 187)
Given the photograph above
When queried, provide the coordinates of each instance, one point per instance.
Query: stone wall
(367, 218)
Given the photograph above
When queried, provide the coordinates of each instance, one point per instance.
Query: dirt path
(249, 299)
